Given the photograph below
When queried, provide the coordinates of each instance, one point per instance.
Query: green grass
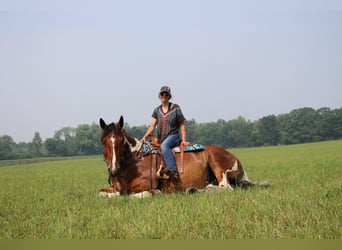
(59, 200)
(38, 160)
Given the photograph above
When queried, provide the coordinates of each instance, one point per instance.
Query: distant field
(59, 200)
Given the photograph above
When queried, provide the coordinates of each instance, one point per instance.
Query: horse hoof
(143, 194)
(109, 195)
(102, 194)
(156, 192)
(191, 190)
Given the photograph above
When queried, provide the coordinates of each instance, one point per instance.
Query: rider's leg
(166, 147)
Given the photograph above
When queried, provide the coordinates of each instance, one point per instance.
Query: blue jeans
(166, 147)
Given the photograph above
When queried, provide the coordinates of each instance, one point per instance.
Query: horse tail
(244, 182)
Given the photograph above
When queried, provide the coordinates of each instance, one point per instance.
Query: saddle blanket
(194, 147)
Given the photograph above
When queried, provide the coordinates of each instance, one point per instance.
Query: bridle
(135, 150)
(138, 152)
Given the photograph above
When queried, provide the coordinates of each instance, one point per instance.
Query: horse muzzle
(113, 171)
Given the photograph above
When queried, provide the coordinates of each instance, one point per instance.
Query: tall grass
(59, 200)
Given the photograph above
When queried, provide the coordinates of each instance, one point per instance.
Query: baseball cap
(165, 89)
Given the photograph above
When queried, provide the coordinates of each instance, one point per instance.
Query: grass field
(59, 200)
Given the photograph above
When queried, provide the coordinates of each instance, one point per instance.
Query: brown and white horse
(132, 171)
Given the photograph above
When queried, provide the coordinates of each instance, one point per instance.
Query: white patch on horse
(234, 168)
(244, 177)
(224, 182)
(141, 195)
(213, 188)
(113, 155)
(144, 194)
(135, 148)
(109, 195)
(158, 171)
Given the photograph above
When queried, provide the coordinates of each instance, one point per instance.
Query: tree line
(299, 126)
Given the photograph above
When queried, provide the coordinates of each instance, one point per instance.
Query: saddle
(154, 147)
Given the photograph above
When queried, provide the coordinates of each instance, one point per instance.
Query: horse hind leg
(225, 181)
(231, 177)
(225, 176)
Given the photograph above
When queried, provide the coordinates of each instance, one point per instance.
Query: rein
(151, 152)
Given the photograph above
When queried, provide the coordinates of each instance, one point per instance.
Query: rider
(169, 119)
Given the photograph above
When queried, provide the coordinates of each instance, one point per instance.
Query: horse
(132, 171)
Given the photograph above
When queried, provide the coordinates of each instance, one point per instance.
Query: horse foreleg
(109, 192)
(114, 186)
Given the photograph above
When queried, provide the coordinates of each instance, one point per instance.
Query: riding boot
(166, 173)
(173, 174)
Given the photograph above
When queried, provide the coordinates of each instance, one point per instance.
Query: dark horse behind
(132, 170)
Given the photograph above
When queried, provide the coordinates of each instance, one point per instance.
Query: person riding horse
(130, 173)
(169, 119)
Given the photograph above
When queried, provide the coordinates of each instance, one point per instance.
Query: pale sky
(66, 63)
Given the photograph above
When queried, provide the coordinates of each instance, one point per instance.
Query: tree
(63, 143)
(283, 128)
(299, 126)
(23, 150)
(265, 131)
(36, 145)
(336, 123)
(241, 132)
(87, 139)
(51, 146)
(7, 148)
(137, 131)
(191, 131)
(206, 133)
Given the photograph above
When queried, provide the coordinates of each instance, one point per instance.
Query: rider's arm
(150, 129)
(183, 131)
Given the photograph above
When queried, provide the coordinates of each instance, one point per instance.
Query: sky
(66, 63)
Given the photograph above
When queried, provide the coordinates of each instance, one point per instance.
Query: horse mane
(130, 138)
(137, 155)
(131, 158)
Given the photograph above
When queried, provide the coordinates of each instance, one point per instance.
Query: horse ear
(121, 122)
(103, 125)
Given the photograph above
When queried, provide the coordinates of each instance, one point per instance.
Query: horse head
(119, 148)
(113, 140)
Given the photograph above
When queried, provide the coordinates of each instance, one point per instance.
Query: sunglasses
(164, 94)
